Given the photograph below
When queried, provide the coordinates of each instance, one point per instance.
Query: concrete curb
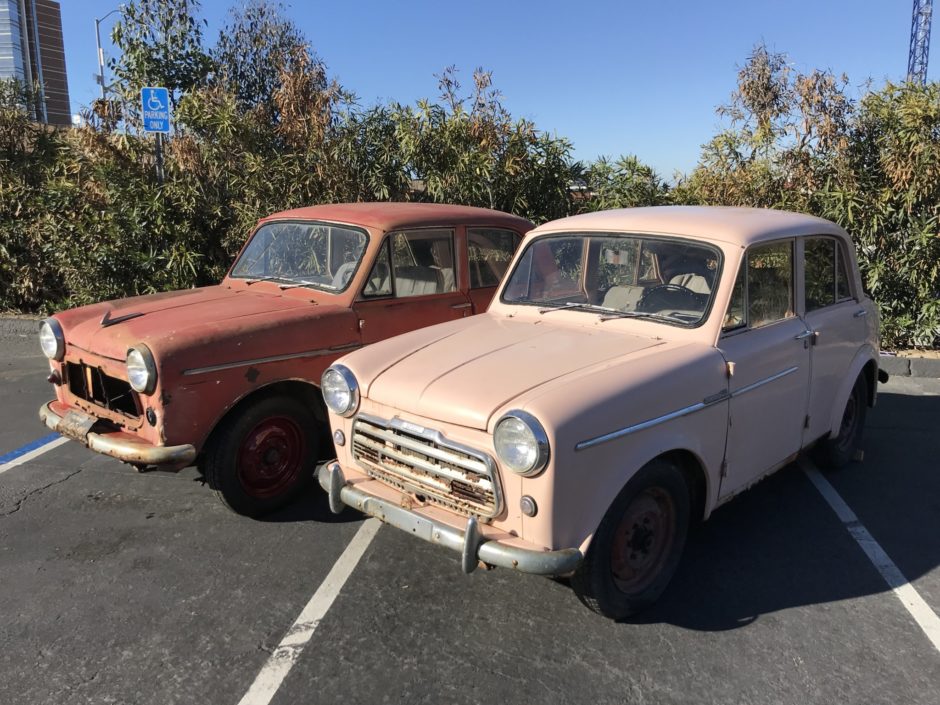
(910, 366)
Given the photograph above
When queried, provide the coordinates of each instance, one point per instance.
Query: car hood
(462, 373)
(175, 318)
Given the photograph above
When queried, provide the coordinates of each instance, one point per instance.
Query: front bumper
(470, 543)
(118, 444)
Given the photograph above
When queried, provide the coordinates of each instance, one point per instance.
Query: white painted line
(925, 617)
(26, 457)
(288, 651)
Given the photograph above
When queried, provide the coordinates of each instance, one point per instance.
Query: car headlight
(51, 339)
(521, 443)
(141, 369)
(340, 390)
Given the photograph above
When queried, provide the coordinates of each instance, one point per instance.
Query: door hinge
(724, 468)
(806, 422)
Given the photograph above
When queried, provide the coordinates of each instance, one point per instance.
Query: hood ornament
(106, 320)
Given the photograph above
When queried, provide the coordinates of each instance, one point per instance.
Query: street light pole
(100, 50)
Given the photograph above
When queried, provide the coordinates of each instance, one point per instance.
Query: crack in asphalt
(19, 504)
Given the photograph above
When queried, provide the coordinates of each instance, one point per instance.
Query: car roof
(739, 226)
(391, 216)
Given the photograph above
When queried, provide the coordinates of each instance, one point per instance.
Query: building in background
(31, 50)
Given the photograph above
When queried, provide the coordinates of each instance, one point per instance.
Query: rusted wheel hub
(270, 457)
(643, 540)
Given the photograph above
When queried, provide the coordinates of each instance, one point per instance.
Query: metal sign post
(155, 105)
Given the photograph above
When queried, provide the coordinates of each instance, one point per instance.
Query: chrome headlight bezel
(540, 451)
(148, 383)
(51, 329)
(333, 380)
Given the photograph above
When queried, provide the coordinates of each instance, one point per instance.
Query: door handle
(859, 314)
(459, 306)
(805, 334)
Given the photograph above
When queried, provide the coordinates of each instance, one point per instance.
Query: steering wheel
(663, 291)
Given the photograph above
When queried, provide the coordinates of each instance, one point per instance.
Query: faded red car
(228, 375)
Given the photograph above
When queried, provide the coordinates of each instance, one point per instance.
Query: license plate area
(419, 526)
(76, 425)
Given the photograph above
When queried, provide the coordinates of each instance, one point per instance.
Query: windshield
(319, 255)
(617, 276)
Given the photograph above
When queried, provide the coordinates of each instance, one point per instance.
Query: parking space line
(925, 617)
(283, 658)
(30, 451)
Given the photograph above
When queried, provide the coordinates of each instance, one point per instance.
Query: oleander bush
(259, 126)
(799, 142)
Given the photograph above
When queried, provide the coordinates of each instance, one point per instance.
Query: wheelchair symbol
(153, 103)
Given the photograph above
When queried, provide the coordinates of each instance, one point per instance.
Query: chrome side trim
(711, 399)
(685, 411)
(272, 358)
(761, 382)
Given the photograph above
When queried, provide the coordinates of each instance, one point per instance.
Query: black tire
(837, 451)
(602, 582)
(263, 456)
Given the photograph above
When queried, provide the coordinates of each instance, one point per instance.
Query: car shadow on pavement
(780, 545)
(313, 505)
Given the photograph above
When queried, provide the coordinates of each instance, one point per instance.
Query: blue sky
(614, 77)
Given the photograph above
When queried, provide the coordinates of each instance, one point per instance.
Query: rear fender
(864, 356)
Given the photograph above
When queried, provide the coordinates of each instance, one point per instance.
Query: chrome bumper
(473, 547)
(118, 445)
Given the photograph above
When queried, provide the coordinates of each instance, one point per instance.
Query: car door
(489, 252)
(412, 284)
(831, 312)
(766, 346)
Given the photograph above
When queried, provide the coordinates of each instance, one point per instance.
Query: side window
(423, 262)
(490, 251)
(843, 290)
(379, 282)
(819, 256)
(769, 283)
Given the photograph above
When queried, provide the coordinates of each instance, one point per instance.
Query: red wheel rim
(643, 540)
(270, 457)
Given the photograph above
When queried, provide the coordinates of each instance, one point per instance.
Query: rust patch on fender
(252, 374)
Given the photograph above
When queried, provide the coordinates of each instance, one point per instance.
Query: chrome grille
(424, 463)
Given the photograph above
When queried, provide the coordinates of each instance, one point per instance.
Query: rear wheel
(836, 451)
(637, 547)
(264, 456)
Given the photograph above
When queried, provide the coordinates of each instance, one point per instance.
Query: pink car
(637, 369)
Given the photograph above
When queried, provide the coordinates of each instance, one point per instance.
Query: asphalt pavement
(121, 587)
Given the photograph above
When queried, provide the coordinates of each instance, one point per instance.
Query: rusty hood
(463, 372)
(180, 320)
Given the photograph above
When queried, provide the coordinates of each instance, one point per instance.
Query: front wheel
(264, 456)
(637, 546)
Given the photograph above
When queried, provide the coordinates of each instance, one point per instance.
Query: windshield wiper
(572, 306)
(294, 285)
(255, 280)
(639, 314)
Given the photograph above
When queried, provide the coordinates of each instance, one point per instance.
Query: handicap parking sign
(155, 103)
